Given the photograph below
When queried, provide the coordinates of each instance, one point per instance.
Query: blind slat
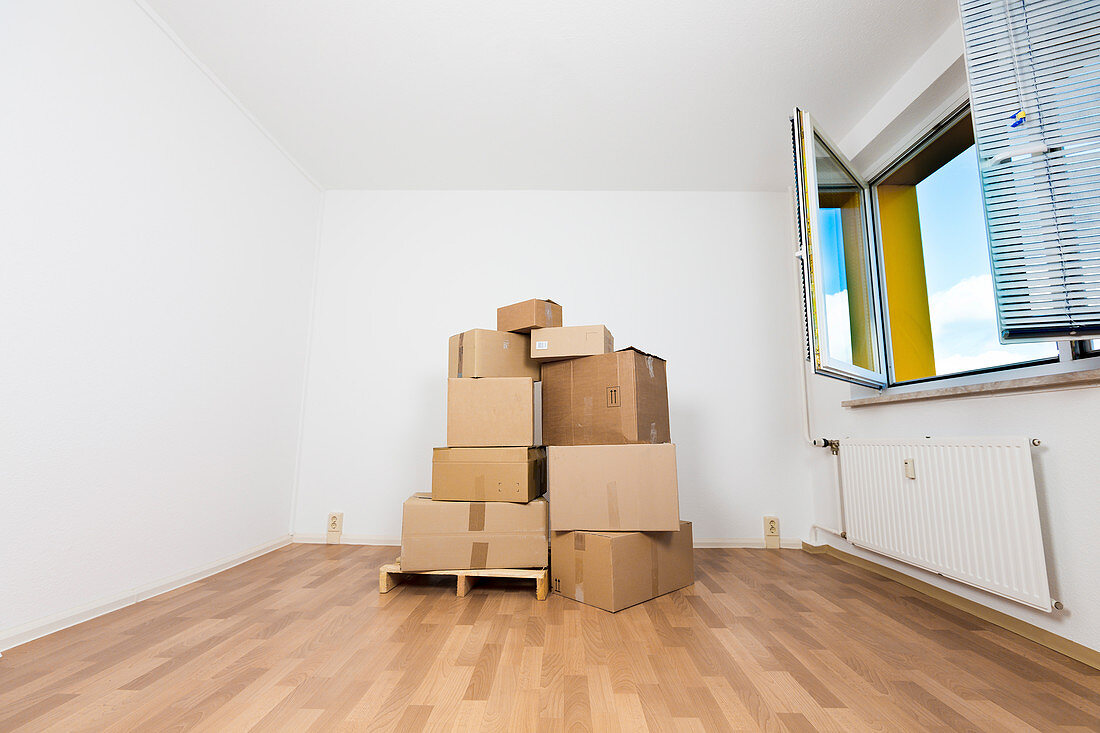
(1041, 57)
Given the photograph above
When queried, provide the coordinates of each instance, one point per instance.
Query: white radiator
(969, 512)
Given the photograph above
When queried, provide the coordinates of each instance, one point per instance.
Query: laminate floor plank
(300, 639)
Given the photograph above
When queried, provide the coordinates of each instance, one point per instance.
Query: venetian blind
(1034, 71)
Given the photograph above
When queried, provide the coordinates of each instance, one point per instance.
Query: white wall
(1067, 471)
(154, 298)
(703, 279)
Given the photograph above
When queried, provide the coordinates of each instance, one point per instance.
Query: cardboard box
(570, 342)
(522, 317)
(608, 399)
(613, 487)
(615, 570)
(463, 535)
(487, 474)
(484, 353)
(491, 412)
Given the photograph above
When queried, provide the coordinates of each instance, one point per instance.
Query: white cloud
(968, 300)
(839, 325)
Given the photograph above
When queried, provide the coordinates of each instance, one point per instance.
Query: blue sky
(956, 257)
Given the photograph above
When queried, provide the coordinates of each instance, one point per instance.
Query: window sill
(1065, 380)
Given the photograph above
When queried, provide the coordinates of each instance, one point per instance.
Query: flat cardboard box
(483, 353)
(570, 342)
(487, 474)
(491, 412)
(614, 488)
(616, 570)
(608, 399)
(522, 317)
(465, 535)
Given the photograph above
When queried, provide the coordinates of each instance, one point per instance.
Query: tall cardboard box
(491, 412)
(522, 317)
(605, 400)
(483, 353)
(487, 474)
(570, 342)
(615, 570)
(613, 487)
(464, 535)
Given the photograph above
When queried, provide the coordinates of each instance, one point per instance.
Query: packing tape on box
(613, 504)
(549, 315)
(477, 517)
(649, 365)
(653, 432)
(578, 566)
(479, 555)
(654, 574)
(479, 490)
(461, 348)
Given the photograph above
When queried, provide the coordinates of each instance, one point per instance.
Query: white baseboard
(744, 542)
(28, 632)
(348, 539)
(320, 539)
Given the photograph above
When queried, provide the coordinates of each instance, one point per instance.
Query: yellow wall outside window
(906, 286)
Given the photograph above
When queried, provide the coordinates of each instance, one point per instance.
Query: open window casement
(843, 313)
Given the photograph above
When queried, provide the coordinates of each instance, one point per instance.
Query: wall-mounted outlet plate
(335, 528)
(771, 533)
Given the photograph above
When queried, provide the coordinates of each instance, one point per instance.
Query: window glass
(960, 286)
(844, 269)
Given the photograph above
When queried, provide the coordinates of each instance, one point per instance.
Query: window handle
(1032, 149)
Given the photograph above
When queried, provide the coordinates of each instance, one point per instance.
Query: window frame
(806, 134)
(945, 123)
(1073, 355)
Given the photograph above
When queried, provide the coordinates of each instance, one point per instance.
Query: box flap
(639, 351)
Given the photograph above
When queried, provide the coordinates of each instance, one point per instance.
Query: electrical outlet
(335, 528)
(771, 526)
(910, 468)
(771, 533)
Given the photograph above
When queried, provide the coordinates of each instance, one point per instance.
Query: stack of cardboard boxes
(608, 467)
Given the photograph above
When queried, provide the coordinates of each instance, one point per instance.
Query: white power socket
(335, 528)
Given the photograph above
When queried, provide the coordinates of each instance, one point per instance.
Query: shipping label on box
(492, 412)
(616, 570)
(487, 474)
(483, 353)
(605, 400)
(467, 535)
(612, 487)
(522, 317)
(569, 342)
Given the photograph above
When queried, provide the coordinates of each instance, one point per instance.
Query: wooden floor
(300, 639)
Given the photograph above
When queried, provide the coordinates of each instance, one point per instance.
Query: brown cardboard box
(484, 353)
(570, 342)
(605, 400)
(487, 474)
(522, 317)
(491, 412)
(615, 570)
(462, 535)
(613, 487)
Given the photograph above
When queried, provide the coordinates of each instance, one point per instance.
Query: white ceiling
(553, 94)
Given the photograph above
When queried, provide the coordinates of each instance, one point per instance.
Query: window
(843, 313)
(897, 271)
(939, 288)
(980, 248)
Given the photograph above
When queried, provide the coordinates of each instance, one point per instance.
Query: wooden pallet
(389, 576)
